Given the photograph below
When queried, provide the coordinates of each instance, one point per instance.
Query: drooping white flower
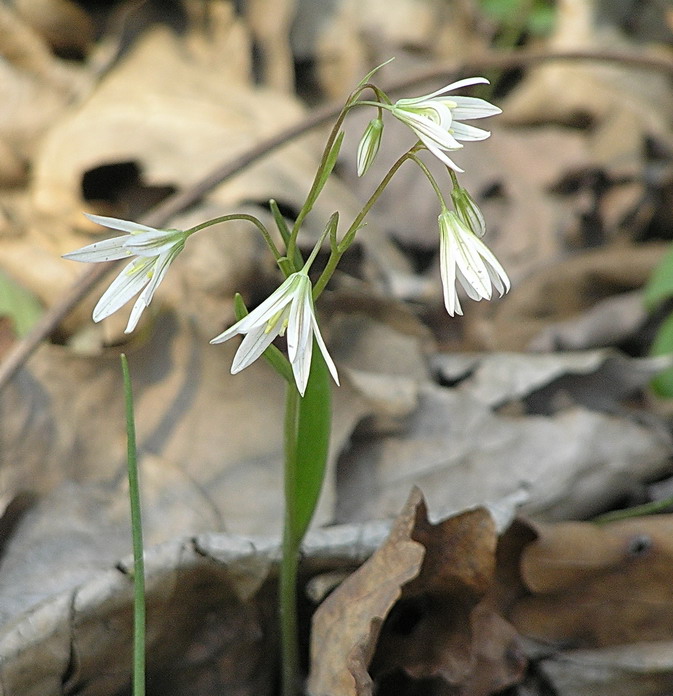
(154, 250)
(435, 118)
(289, 307)
(464, 258)
(369, 145)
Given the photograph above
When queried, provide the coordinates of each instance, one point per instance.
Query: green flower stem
(240, 216)
(356, 225)
(137, 536)
(307, 432)
(328, 160)
(433, 182)
(326, 163)
(454, 178)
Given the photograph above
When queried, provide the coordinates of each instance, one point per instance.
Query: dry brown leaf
(546, 298)
(270, 23)
(190, 411)
(567, 91)
(35, 89)
(429, 634)
(347, 624)
(65, 26)
(547, 382)
(594, 586)
(439, 629)
(346, 39)
(637, 669)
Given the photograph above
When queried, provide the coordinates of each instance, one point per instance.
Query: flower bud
(369, 145)
(468, 211)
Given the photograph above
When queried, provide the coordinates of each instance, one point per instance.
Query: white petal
(123, 225)
(465, 251)
(447, 268)
(229, 333)
(429, 130)
(472, 107)
(273, 304)
(260, 316)
(301, 367)
(253, 345)
(323, 349)
(154, 242)
(436, 112)
(299, 326)
(136, 312)
(473, 268)
(128, 283)
(105, 250)
(449, 88)
(462, 131)
(497, 280)
(300, 334)
(467, 286)
(441, 156)
(490, 259)
(158, 272)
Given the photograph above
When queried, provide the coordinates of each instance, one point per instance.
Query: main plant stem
(290, 552)
(307, 432)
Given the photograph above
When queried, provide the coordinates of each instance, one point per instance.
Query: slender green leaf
(660, 285)
(285, 232)
(137, 537)
(663, 345)
(330, 162)
(312, 444)
(371, 73)
(21, 306)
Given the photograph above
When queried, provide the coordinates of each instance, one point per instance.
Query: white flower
(435, 119)
(289, 307)
(369, 145)
(155, 251)
(463, 257)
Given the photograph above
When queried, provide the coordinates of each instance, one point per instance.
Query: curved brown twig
(160, 215)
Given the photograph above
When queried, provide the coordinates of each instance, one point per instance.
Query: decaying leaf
(593, 586)
(460, 452)
(571, 91)
(347, 625)
(211, 619)
(545, 382)
(423, 619)
(35, 88)
(637, 669)
(190, 412)
(537, 305)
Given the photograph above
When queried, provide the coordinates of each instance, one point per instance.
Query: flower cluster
(436, 119)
